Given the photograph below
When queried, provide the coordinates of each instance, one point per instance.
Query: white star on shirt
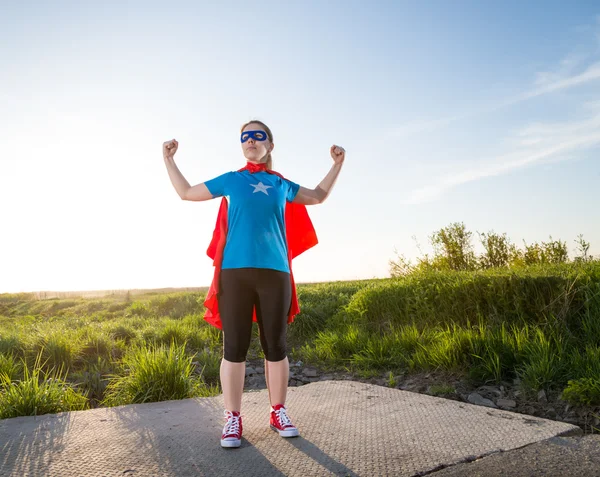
(260, 187)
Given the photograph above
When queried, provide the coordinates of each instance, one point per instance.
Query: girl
(253, 279)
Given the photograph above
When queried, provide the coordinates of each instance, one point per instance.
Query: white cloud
(592, 73)
(565, 76)
(539, 142)
(566, 68)
(542, 142)
(545, 131)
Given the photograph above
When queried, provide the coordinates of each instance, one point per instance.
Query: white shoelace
(283, 417)
(233, 424)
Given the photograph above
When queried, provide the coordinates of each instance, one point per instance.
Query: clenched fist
(338, 154)
(170, 148)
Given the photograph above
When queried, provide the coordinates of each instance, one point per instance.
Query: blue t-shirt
(256, 218)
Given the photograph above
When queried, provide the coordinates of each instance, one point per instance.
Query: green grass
(583, 391)
(38, 392)
(155, 373)
(441, 390)
(539, 324)
(10, 368)
(58, 347)
(94, 378)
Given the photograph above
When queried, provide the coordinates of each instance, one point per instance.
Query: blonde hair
(269, 135)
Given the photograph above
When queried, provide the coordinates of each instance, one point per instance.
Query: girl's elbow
(320, 195)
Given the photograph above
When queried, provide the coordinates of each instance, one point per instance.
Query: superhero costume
(300, 236)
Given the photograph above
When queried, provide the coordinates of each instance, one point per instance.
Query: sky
(485, 113)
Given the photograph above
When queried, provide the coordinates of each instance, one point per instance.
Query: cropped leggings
(240, 290)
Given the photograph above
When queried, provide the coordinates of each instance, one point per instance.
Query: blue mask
(256, 135)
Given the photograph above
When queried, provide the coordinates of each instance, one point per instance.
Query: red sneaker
(281, 422)
(232, 432)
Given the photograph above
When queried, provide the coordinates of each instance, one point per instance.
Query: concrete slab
(555, 457)
(347, 429)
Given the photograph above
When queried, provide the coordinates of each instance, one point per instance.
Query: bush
(453, 250)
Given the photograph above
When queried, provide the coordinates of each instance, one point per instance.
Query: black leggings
(240, 290)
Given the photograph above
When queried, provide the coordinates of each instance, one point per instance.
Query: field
(536, 327)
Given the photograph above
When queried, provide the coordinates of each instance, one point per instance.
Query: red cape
(300, 236)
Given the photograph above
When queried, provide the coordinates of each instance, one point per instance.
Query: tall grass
(10, 343)
(94, 378)
(155, 373)
(583, 391)
(10, 368)
(497, 352)
(58, 348)
(39, 392)
(541, 325)
(95, 345)
(546, 361)
(319, 304)
(538, 324)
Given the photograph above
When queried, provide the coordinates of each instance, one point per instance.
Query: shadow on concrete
(316, 454)
(39, 441)
(181, 449)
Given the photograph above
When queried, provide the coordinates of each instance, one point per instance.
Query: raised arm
(321, 192)
(182, 186)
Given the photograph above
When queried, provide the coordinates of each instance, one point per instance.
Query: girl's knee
(235, 351)
(276, 353)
